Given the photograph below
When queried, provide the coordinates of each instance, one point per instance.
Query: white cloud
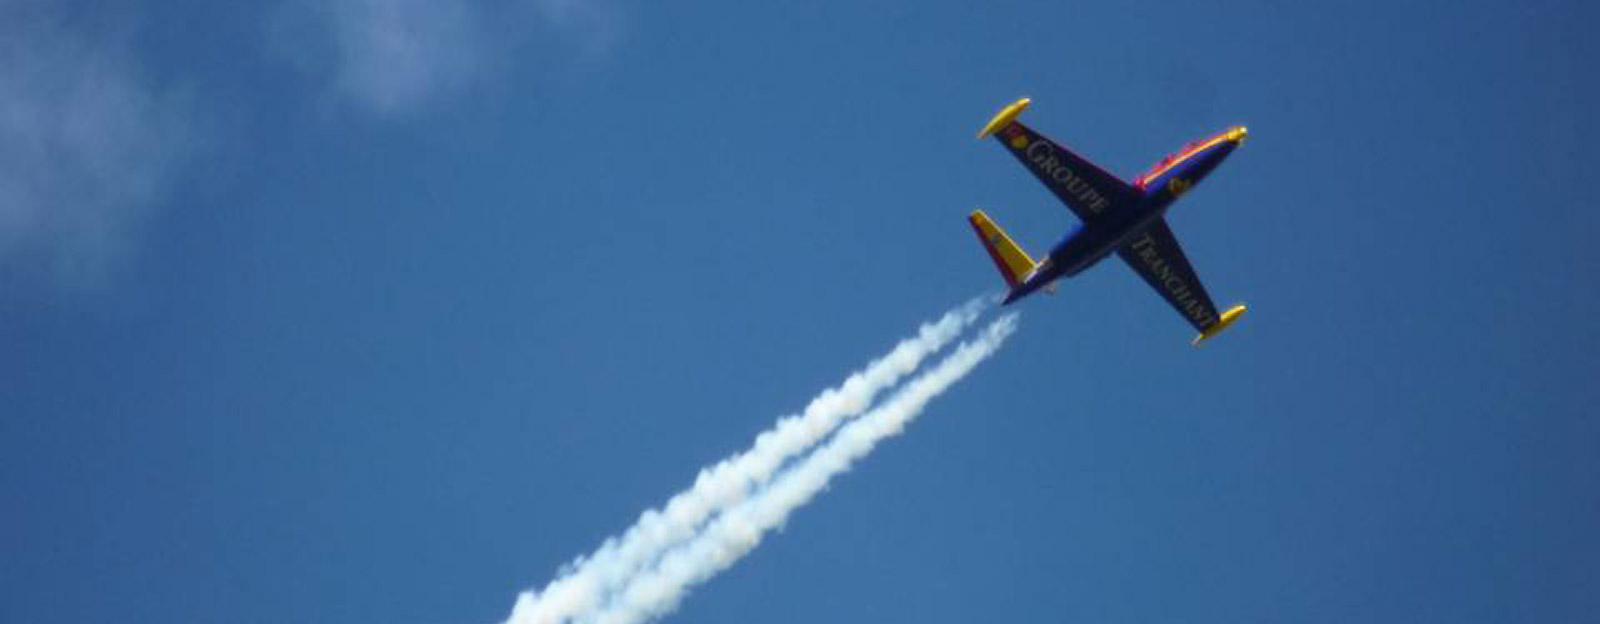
(395, 58)
(594, 25)
(88, 146)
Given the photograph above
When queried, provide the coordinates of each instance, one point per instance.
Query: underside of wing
(1155, 255)
(1083, 186)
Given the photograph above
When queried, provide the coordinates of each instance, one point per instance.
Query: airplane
(1116, 216)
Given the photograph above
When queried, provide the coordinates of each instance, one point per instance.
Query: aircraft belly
(1087, 246)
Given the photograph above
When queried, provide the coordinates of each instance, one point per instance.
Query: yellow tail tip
(1004, 117)
(1227, 318)
(1014, 263)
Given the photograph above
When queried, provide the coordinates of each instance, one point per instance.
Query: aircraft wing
(1156, 257)
(1084, 187)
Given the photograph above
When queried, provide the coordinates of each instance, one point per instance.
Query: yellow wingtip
(1227, 318)
(1004, 117)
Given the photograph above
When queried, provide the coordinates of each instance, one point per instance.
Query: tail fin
(1013, 262)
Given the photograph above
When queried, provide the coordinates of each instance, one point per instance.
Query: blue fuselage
(1092, 242)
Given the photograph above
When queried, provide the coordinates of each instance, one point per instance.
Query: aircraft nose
(1238, 134)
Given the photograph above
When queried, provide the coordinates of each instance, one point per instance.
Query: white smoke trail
(584, 584)
(739, 530)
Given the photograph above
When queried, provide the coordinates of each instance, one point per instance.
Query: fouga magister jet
(1117, 216)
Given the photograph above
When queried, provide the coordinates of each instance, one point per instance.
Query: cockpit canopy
(1170, 161)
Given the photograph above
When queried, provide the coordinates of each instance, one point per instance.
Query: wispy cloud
(89, 144)
(396, 58)
(389, 57)
(595, 25)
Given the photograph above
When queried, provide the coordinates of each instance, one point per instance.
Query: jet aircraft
(1117, 216)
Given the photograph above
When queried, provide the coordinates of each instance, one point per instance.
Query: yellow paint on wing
(1004, 117)
(1222, 323)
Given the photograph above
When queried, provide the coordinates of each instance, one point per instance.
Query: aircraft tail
(1013, 262)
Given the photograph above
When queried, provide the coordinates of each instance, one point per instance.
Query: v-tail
(1017, 268)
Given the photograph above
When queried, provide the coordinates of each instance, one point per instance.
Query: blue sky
(382, 310)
